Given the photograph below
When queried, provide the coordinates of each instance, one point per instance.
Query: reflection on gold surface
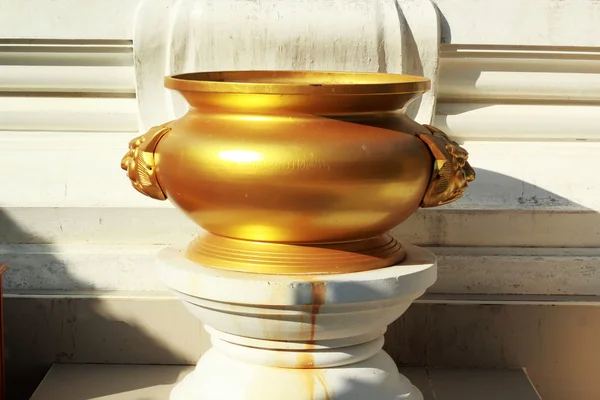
(316, 164)
(253, 118)
(256, 230)
(241, 156)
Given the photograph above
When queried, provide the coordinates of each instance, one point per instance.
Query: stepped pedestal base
(310, 337)
(218, 376)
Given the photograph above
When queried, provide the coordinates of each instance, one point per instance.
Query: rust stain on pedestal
(322, 381)
(306, 360)
(318, 293)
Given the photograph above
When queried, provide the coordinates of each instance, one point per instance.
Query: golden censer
(297, 172)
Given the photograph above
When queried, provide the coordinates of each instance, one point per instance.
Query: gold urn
(295, 171)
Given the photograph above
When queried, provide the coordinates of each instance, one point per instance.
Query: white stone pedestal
(297, 337)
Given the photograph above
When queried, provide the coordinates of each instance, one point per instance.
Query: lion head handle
(451, 170)
(140, 164)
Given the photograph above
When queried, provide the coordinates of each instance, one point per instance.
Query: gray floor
(134, 382)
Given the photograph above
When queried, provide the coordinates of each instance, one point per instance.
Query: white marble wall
(518, 85)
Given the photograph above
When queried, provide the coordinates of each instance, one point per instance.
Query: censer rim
(298, 82)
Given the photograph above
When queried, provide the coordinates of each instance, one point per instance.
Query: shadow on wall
(44, 329)
(41, 330)
(501, 211)
(492, 188)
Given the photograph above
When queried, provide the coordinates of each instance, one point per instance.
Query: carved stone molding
(178, 36)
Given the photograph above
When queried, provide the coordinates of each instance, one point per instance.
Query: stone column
(297, 337)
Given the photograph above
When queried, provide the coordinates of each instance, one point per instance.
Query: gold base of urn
(276, 258)
(297, 172)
